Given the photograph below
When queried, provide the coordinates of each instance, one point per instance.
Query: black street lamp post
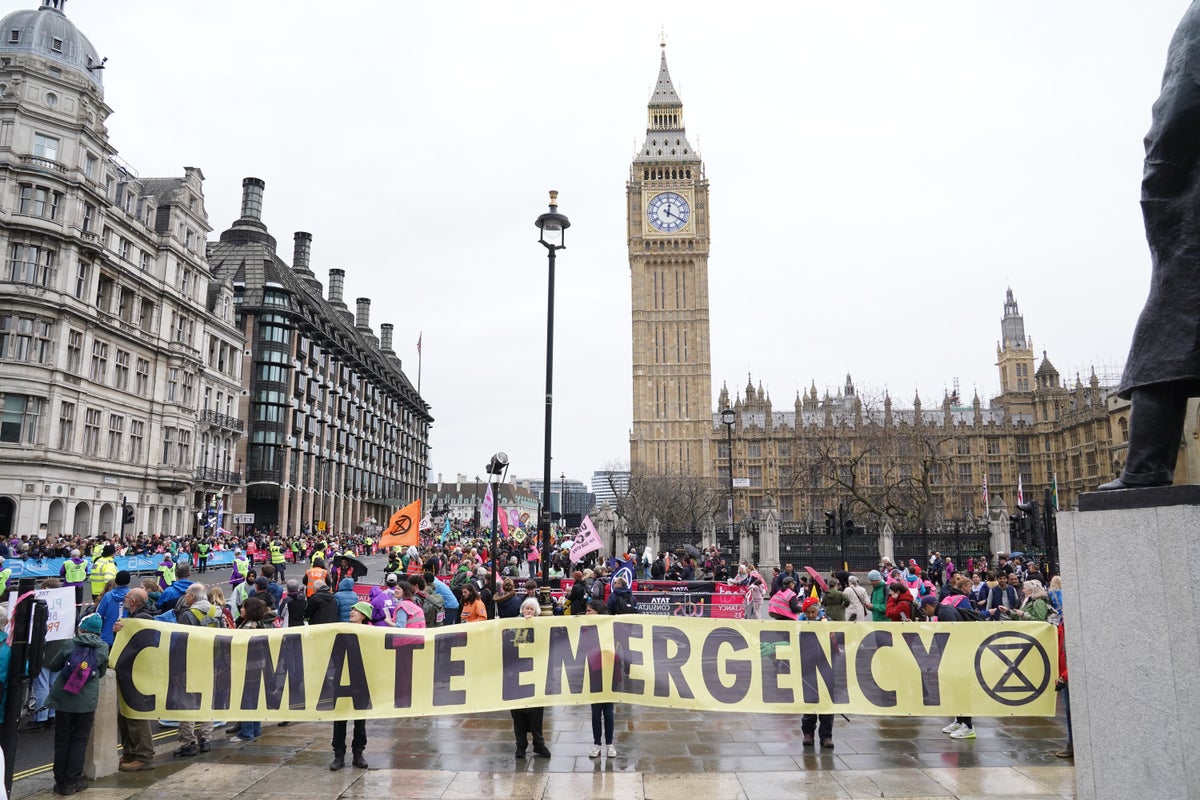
(553, 227)
(728, 416)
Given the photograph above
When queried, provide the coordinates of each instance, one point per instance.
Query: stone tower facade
(667, 205)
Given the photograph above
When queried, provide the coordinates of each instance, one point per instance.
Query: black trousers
(358, 743)
(821, 723)
(528, 722)
(71, 732)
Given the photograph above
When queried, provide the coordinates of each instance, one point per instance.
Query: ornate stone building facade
(668, 230)
(116, 348)
(921, 465)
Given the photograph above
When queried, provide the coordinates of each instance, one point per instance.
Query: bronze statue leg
(1155, 426)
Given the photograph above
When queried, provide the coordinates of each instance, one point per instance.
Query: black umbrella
(692, 551)
(358, 568)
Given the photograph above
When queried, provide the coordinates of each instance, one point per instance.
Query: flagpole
(420, 336)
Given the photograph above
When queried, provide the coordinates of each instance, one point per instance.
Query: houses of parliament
(908, 462)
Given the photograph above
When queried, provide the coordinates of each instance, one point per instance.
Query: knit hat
(809, 603)
(364, 608)
(122, 578)
(874, 575)
(90, 624)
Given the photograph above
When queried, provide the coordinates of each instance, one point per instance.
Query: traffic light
(1031, 525)
(848, 526)
(830, 522)
(127, 514)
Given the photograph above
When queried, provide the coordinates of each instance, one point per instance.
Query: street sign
(741, 483)
(243, 519)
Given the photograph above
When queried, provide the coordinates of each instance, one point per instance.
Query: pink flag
(485, 511)
(514, 517)
(587, 540)
(503, 522)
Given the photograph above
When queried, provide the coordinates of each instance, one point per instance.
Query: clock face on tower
(668, 212)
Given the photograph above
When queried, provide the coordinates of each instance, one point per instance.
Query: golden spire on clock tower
(668, 235)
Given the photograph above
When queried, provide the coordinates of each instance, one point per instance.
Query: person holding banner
(527, 722)
(603, 714)
(820, 724)
(360, 614)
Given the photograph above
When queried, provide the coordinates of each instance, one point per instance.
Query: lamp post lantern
(552, 228)
(497, 465)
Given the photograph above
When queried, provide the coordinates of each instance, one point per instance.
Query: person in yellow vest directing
(74, 570)
(104, 569)
(278, 561)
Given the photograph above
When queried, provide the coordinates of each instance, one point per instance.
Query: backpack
(968, 613)
(80, 666)
(434, 607)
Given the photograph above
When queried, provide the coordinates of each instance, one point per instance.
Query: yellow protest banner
(343, 671)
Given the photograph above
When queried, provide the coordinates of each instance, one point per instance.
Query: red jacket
(898, 604)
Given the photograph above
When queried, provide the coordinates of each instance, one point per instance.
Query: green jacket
(89, 696)
(879, 603)
(835, 605)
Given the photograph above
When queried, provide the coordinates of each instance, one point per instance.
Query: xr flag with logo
(587, 540)
(402, 528)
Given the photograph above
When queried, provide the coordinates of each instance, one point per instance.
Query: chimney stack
(363, 318)
(252, 198)
(385, 337)
(302, 253)
(337, 283)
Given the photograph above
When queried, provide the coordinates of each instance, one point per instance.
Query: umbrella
(692, 551)
(357, 567)
(1016, 554)
(817, 577)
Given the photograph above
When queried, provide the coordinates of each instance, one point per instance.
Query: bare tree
(678, 502)
(887, 468)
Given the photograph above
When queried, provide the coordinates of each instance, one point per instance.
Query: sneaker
(612, 751)
(952, 727)
(594, 752)
(186, 750)
(965, 732)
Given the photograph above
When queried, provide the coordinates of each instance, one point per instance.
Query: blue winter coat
(346, 598)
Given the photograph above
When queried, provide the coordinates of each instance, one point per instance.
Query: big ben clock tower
(667, 205)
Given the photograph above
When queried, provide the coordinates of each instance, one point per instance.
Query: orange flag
(402, 529)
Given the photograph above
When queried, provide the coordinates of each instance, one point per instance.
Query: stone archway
(81, 520)
(107, 520)
(55, 518)
(8, 517)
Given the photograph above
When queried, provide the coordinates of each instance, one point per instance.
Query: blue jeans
(41, 690)
(250, 730)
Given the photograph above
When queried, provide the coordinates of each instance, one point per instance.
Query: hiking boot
(541, 750)
(186, 750)
(131, 766)
(358, 760)
(204, 746)
(339, 761)
(808, 740)
(520, 752)
(827, 743)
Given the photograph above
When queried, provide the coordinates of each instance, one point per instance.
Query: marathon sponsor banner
(690, 599)
(344, 671)
(52, 567)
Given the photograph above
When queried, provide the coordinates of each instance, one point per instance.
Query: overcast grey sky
(880, 173)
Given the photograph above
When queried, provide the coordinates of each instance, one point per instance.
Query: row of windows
(25, 339)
